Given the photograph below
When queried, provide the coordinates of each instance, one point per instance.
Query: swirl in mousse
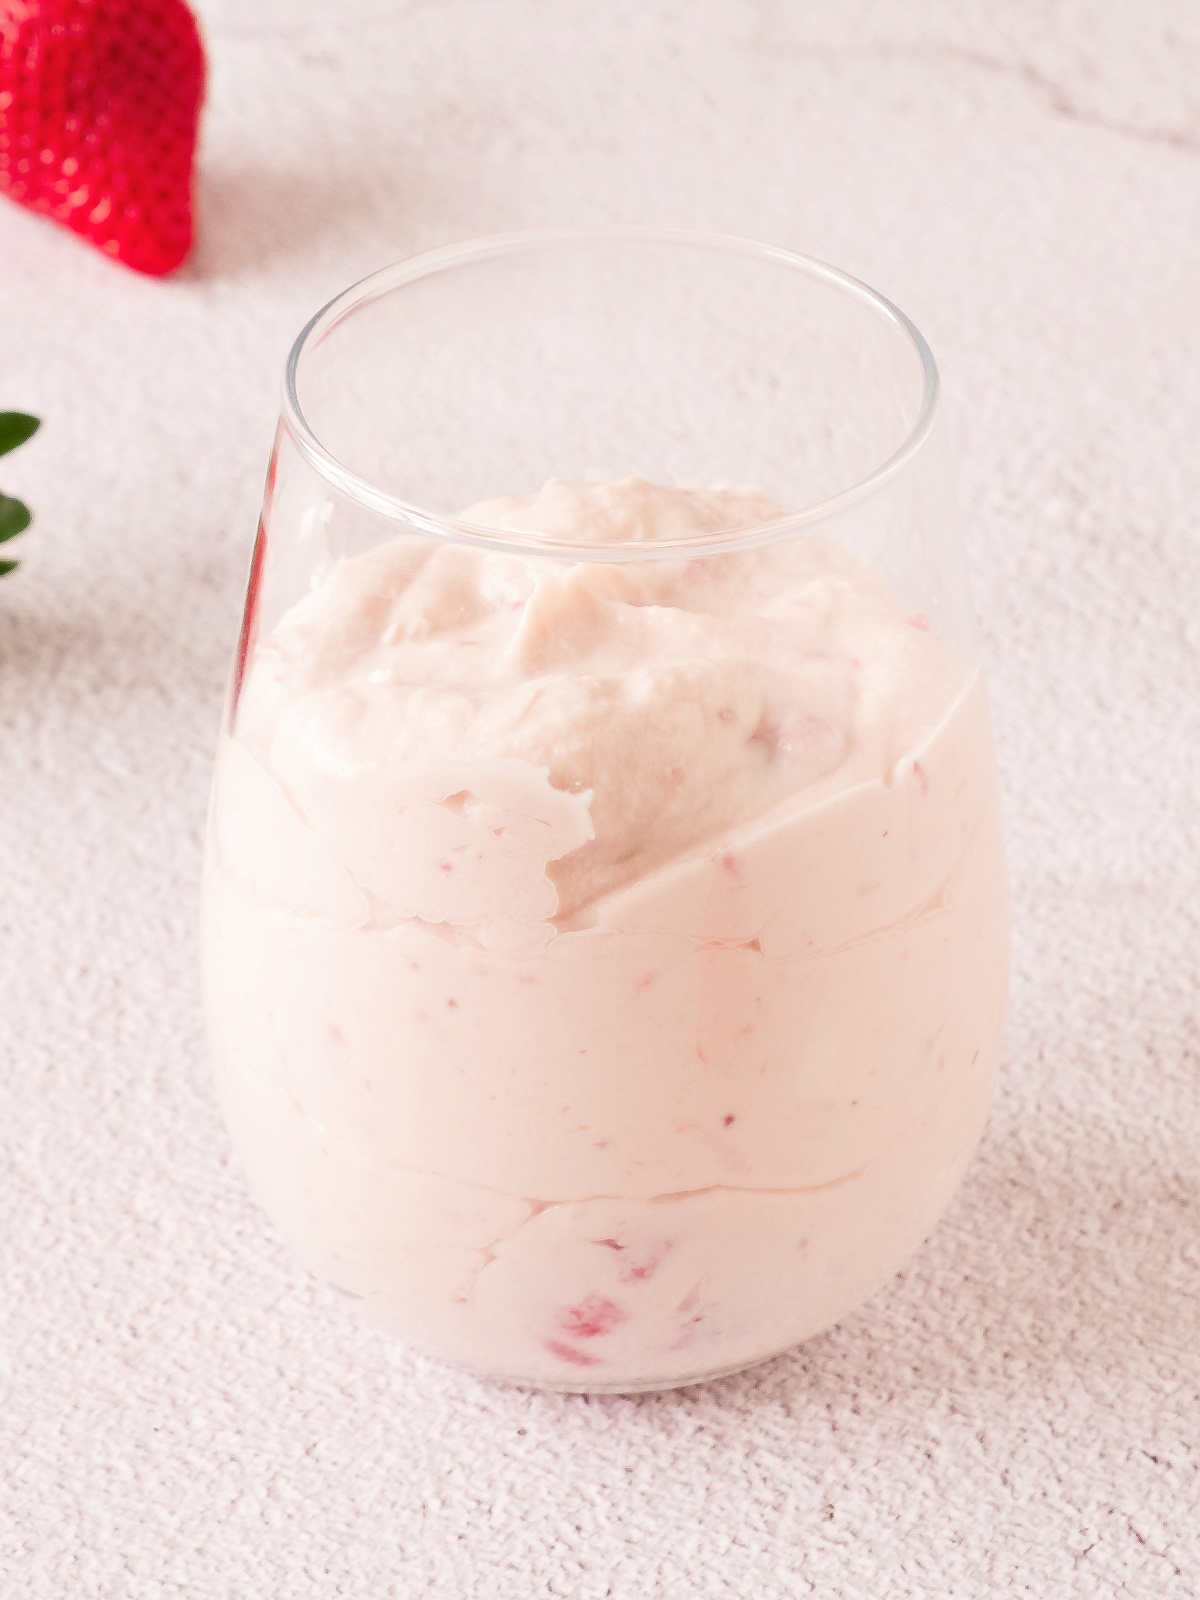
(606, 961)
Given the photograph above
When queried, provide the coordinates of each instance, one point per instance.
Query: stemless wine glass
(605, 925)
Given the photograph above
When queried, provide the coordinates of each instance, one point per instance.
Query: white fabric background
(185, 1414)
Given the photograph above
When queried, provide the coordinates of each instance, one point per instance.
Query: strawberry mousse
(605, 951)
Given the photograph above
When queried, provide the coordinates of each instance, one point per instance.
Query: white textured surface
(184, 1414)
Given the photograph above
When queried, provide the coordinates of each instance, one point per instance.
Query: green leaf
(15, 428)
(8, 566)
(15, 517)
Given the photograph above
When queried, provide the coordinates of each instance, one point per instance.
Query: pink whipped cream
(606, 960)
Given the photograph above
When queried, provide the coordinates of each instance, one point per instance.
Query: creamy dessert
(605, 959)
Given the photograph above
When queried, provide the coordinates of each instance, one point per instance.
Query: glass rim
(459, 531)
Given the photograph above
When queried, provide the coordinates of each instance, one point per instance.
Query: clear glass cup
(605, 924)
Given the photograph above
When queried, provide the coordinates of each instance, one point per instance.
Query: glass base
(632, 1386)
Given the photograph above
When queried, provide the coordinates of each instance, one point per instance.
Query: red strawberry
(99, 101)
